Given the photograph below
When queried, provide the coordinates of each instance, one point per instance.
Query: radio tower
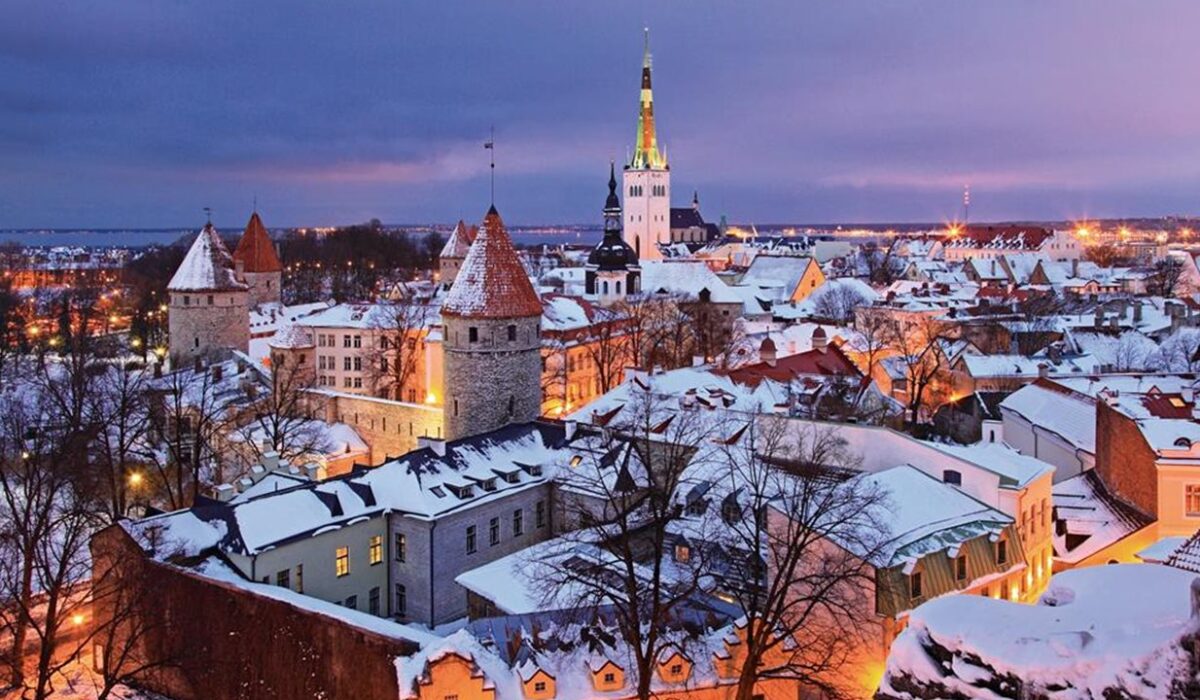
(966, 204)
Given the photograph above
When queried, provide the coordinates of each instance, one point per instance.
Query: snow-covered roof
(492, 282)
(687, 278)
(1015, 469)
(979, 366)
(923, 515)
(1096, 630)
(207, 267)
(459, 242)
(1069, 415)
(1091, 518)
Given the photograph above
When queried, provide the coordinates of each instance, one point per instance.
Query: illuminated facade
(647, 180)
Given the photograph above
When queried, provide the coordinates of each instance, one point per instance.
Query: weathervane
(490, 145)
(208, 214)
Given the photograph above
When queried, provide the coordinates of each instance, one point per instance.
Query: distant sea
(522, 235)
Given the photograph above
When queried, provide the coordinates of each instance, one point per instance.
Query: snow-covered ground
(1095, 630)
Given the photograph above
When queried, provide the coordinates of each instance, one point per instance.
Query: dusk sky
(139, 113)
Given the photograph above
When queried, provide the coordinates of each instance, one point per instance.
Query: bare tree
(924, 364)
(624, 500)
(608, 348)
(123, 440)
(1103, 254)
(394, 360)
(189, 417)
(837, 302)
(279, 419)
(1164, 277)
(812, 528)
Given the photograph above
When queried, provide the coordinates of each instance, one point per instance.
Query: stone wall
(215, 640)
(491, 381)
(264, 286)
(202, 329)
(1125, 461)
(391, 428)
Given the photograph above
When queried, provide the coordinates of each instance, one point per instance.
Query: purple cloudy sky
(140, 112)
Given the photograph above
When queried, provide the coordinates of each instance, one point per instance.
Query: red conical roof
(459, 242)
(255, 251)
(492, 283)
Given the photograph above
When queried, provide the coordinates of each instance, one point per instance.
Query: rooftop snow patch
(207, 267)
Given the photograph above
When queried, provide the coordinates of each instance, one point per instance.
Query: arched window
(604, 287)
(618, 286)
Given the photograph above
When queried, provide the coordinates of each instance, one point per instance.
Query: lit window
(342, 561)
(682, 553)
(401, 547)
(376, 549)
(1192, 498)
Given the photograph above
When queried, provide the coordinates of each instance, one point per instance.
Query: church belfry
(647, 178)
(612, 267)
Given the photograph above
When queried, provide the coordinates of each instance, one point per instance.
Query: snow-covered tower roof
(459, 242)
(492, 282)
(207, 267)
(255, 251)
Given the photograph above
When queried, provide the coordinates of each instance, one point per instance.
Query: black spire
(612, 253)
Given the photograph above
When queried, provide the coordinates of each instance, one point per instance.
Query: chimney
(1043, 370)
(569, 428)
(1099, 317)
(1075, 267)
(1115, 324)
(225, 493)
(218, 372)
(313, 470)
(820, 341)
(438, 446)
(766, 352)
(1137, 312)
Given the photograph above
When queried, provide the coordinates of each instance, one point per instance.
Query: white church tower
(647, 180)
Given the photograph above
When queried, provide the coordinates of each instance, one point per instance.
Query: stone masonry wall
(481, 378)
(264, 286)
(391, 428)
(200, 329)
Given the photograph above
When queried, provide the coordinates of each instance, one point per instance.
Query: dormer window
(576, 460)
(489, 485)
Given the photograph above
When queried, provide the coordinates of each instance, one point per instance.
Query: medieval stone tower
(208, 304)
(647, 180)
(257, 265)
(454, 253)
(492, 323)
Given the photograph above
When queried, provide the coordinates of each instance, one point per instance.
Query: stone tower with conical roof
(454, 253)
(492, 346)
(257, 264)
(208, 311)
(612, 270)
(647, 179)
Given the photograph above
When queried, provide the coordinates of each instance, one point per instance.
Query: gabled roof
(460, 241)
(492, 283)
(255, 251)
(207, 267)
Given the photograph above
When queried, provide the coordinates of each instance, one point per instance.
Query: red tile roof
(255, 251)
(831, 362)
(460, 241)
(492, 283)
(1003, 237)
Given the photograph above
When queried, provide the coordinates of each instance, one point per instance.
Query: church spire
(646, 155)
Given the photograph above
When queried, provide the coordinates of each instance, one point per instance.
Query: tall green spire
(646, 155)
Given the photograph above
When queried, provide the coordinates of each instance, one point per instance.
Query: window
(357, 364)
(960, 568)
(1001, 552)
(341, 562)
(473, 334)
(375, 550)
(401, 547)
(539, 514)
(346, 363)
(299, 578)
(682, 553)
(539, 687)
(1192, 500)
(210, 300)
(358, 341)
(518, 522)
(401, 600)
(676, 669)
(470, 539)
(345, 341)
(358, 382)
(610, 677)
(952, 477)
(914, 584)
(373, 601)
(283, 578)
(494, 531)
(352, 602)
(512, 333)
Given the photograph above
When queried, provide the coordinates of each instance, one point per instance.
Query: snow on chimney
(438, 446)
